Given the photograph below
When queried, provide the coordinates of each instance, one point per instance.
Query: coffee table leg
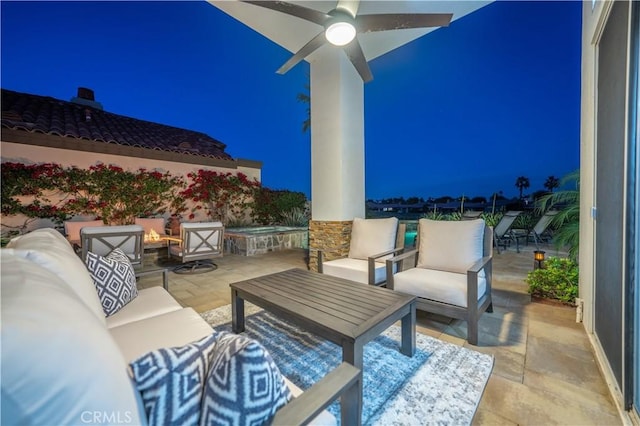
(237, 312)
(408, 322)
(351, 407)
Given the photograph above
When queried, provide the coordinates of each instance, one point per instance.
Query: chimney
(84, 93)
(86, 97)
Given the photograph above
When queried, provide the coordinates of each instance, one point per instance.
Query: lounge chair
(372, 242)
(540, 232)
(503, 234)
(450, 273)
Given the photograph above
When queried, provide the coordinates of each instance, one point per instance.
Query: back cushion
(72, 229)
(204, 231)
(372, 236)
(49, 249)
(451, 246)
(60, 365)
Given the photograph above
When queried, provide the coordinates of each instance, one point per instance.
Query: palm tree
(522, 183)
(567, 220)
(551, 183)
(306, 99)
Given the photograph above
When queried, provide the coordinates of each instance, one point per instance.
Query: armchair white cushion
(432, 284)
(354, 270)
(369, 238)
(450, 246)
(372, 236)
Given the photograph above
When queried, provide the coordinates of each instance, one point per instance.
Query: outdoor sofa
(63, 362)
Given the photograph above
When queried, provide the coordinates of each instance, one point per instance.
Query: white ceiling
(292, 33)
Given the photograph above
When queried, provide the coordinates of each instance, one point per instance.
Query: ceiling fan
(342, 24)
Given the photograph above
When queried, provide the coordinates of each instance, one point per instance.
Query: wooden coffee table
(347, 313)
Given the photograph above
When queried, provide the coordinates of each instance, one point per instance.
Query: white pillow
(49, 249)
(372, 236)
(60, 365)
(114, 278)
(451, 246)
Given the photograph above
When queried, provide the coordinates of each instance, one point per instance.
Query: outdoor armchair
(102, 240)
(450, 272)
(199, 243)
(372, 242)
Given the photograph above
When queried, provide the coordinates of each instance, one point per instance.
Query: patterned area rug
(441, 384)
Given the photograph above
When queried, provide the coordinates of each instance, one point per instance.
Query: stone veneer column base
(332, 237)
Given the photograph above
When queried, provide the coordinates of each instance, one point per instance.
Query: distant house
(80, 132)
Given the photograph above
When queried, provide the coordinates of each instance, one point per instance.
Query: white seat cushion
(175, 328)
(325, 418)
(354, 270)
(447, 287)
(150, 302)
(372, 236)
(452, 246)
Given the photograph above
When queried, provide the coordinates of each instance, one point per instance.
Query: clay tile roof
(42, 114)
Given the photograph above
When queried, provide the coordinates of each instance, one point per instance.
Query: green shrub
(558, 280)
(270, 205)
(491, 219)
(295, 217)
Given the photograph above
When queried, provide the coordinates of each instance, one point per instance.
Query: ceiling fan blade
(305, 13)
(400, 21)
(350, 6)
(305, 51)
(355, 54)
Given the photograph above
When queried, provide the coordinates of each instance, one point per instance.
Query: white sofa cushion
(72, 228)
(114, 278)
(244, 386)
(452, 246)
(49, 249)
(59, 363)
(354, 270)
(447, 287)
(171, 381)
(325, 418)
(175, 328)
(149, 302)
(372, 236)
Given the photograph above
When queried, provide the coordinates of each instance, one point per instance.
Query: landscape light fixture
(340, 33)
(538, 259)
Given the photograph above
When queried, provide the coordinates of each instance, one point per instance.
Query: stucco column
(337, 149)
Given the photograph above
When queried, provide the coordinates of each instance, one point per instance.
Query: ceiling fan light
(340, 33)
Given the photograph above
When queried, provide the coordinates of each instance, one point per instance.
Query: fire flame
(151, 236)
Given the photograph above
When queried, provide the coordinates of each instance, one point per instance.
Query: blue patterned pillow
(171, 381)
(114, 279)
(244, 386)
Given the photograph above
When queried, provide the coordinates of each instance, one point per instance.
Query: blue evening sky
(464, 110)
